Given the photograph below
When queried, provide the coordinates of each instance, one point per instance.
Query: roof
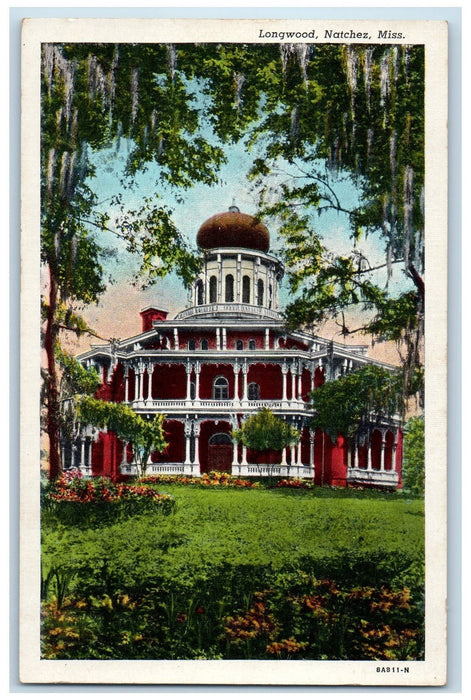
(233, 229)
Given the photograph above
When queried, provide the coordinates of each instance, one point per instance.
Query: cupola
(232, 229)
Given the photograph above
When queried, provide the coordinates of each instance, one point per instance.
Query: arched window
(260, 292)
(204, 345)
(192, 344)
(229, 288)
(220, 388)
(252, 345)
(220, 439)
(199, 292)
(239, 344)
(213, 288)
(246, 289)
(254, 391)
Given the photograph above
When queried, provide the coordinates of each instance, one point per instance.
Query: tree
(265, 431)
(74, 379)
(323, 120)
(351, 403)
(145, 436)
(413, 466)
(351, 114)
(91, 97)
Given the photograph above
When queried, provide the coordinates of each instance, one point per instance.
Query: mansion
(222, 359)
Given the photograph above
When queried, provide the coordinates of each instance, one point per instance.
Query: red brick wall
(169, 382)
(175, 436)
(269, 379)
(209, 373)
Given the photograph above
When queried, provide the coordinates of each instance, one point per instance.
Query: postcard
(233, 385)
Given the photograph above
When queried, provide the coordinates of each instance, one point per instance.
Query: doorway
(220, 452)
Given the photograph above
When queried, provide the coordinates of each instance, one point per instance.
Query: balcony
(228, 309)
(373, 477)
(237, 470)
(217, 405)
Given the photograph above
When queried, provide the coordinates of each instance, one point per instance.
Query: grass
(213, 552)
(278, 526)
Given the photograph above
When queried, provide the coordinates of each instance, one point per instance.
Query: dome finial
(233, 207)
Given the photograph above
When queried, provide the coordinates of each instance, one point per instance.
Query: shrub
(213, 478)
(85, 501)
(413, 468)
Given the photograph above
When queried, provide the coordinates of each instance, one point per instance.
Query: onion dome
(232, 229)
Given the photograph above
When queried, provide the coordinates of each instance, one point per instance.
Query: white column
(267, 338)
(197, 381)
(235, 455)
(63, 456)
(224, 339)
(126, 383)
(238, 297)
(393, 456)
(187, 430)
(245, 371)
(283, 457)
(196, 463)
(175, 339)
(82, 452)
(300, 381)
(219, 291)
(124, 458)
(311, 447)
(313, 378)
(244, 455)
(383, 445)
(218, 338)
(136, 384)
(236, 368)
(299, 461)
(72, 455)
(188, 381)
(284, 371)
(369, 462)
(293, 382)
(141, 383)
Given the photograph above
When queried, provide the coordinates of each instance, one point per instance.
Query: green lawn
(191, 581)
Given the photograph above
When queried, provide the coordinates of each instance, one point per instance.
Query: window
(251, 344)
(199, 292)
(213, 286)
(229, 288)
(254, 391)
(239, 344)
(270, 296)
(204, 345)
(220, 439)
(246, 289)
(260, 292)
(220, 388)
(192, 344)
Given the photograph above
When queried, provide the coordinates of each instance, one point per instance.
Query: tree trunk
(52, 421)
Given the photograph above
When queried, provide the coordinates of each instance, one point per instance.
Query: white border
(430, 672)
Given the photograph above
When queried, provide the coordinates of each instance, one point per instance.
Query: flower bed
(76, 499)
(212, 479)
(295, 484)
